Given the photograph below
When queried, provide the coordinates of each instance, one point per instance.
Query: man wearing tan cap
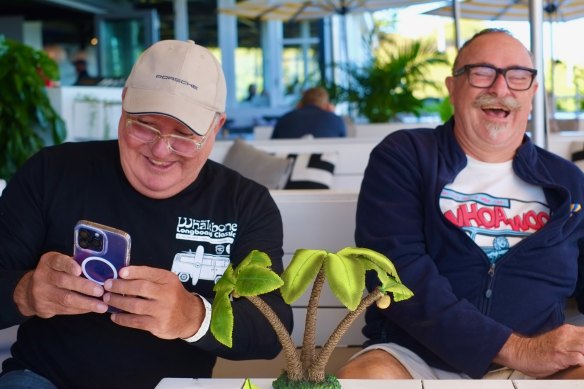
(188, 219)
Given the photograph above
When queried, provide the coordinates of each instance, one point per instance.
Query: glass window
(301, 64)
(122, 38)
(249, 64)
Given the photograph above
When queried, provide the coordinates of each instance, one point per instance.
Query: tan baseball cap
(179, 79)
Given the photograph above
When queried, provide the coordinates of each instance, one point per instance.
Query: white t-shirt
(493, 206)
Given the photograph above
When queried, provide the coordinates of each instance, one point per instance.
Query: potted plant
(27, 119)
(385, 86)
(345, 273)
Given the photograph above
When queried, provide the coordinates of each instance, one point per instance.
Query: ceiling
(72, 21)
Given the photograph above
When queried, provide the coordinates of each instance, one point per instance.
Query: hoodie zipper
(491, 273)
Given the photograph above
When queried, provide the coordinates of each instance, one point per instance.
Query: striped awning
(296, 10)
(514, 10)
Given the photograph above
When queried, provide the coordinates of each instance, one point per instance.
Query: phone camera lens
(91, 240)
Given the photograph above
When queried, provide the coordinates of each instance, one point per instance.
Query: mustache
(509, 103)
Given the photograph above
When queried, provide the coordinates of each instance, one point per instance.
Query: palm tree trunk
(308, 342)
(316, 371)
(293, 363)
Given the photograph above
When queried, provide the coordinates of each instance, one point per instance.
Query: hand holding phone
(100, 250)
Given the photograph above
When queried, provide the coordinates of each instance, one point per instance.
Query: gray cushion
(258, 165)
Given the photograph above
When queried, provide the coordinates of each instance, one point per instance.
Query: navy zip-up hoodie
(464, 309)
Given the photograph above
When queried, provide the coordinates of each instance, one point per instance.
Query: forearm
(510, 353)
(545, 354)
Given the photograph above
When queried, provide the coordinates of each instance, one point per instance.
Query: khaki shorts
(419, 369)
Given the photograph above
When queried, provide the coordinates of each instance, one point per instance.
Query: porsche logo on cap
(177, 80)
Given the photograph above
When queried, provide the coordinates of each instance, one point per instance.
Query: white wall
(89, 112)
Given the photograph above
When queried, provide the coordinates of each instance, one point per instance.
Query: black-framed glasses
(518, 78)
(181, 145)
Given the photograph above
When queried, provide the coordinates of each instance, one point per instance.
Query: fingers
(55, 287)
(154, 300)
(554, 351)
(143, 281)
(62, 274)
(60, 263)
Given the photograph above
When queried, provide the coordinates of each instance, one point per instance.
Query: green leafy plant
(27, 119)
(345, 272)
(385, 86)
(442, 107)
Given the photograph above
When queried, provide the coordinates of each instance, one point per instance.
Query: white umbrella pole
(538, 118)
(456, 17)
(181, 20)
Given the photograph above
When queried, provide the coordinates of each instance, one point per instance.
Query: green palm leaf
(226, 283)
(254, 280)
(389, 283)
(222, 319)
(300, 273)
(346, 277)
(373, 256)
(255, 257)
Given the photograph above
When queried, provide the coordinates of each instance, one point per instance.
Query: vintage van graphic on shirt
(212, 254)
(199, 265)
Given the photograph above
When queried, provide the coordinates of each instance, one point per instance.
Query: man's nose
(160, 146)
(500, 85)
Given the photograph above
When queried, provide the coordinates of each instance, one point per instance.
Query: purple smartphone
(100, 250)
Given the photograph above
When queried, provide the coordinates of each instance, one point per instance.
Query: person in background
(81, 71)
(83, 77)
(485, 227)
(252, 90)
(314, 116)
(156, 183)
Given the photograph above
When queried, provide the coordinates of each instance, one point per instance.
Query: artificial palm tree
(345, 272)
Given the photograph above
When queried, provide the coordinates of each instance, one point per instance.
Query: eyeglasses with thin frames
(181, 145)
(518, 78)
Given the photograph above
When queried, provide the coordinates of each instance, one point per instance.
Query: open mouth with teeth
(160, 164)
(498, 112)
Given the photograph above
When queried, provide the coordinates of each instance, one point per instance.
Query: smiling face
(152, 168)
(490, 122)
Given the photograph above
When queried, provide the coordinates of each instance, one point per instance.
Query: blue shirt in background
(309, 120)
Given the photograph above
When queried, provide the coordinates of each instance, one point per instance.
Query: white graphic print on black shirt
(211, 257)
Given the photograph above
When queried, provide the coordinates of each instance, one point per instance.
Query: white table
(266, 383)
(542, 384)
(467, 384)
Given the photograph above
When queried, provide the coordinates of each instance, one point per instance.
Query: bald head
(482, 35)
(315, 96)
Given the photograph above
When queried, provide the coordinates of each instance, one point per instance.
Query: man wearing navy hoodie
(314, 116)
(485, 228)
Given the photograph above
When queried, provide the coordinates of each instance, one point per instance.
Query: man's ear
(449, 82)
(220, 122)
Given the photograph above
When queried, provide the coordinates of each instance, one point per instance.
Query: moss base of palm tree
(283, 382)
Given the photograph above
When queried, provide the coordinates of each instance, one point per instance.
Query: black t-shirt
(221, 215)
